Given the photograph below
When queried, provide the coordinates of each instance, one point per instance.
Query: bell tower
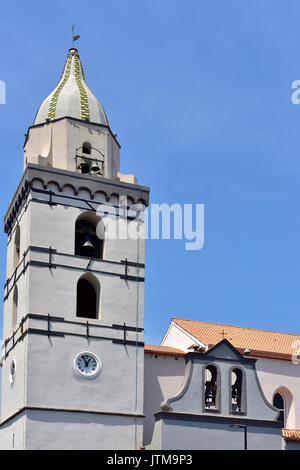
(72, 355)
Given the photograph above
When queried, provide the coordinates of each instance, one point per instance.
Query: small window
(86, 148)
(15, 308)
(17, 248)
(87, 241)
(88, 296)
(237, 398)
(278, 402)
(211, 387)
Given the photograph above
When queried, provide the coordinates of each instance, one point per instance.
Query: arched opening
(15, 308)
(87, 241)
(237, 392)
(17, 248)
(88, 297)
(211, 387)
(86, 148)
(283, 400)
(278, 402)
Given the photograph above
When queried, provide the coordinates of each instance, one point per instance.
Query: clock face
(87, 365)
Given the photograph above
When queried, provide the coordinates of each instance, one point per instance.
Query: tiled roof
(260, 342)
(163, 350)
(291, 434)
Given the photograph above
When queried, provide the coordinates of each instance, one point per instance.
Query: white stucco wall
(55, 144)
(177, 337)
(284, 377)
(163, 376)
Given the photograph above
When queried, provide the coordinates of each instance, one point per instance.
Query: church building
(75, 373)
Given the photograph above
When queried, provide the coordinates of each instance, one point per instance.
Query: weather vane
(74, 38)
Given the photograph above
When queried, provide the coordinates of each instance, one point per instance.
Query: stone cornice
(70, 180)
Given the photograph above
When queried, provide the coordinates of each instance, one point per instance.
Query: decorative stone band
(52, 325)
(50, 258)
(84, 105)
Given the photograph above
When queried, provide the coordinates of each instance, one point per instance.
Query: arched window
(86, 148)
(17, 248)
(15, 308)
(278, 401)
(88, 297)
(88, 229)
(237, 392)
(211, 387)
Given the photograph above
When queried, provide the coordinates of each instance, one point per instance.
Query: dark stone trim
(76, 120)
(77, 268)
(19, 340)
(127, 328)
(36, 331)
(126, 341)
(51, 250)
(8, 290)
(131, 263)
(211, 411)
(42, 249)
(49, 332)
(36, 316)
(66, 410)
(216, 419)
(132, 278)
(51, 265)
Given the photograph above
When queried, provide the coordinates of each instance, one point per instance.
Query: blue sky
(199, 94)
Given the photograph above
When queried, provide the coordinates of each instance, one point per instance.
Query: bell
(95, 169)
(84, 167)
(209, 396)
(234, 395)
(88, 246)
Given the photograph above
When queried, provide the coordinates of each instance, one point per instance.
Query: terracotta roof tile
(163, 350)
(260, 342)
(291, 434)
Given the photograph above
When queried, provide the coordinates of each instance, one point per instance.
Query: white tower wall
(45, 402)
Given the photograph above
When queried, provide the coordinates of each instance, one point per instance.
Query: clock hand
(85, 361)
